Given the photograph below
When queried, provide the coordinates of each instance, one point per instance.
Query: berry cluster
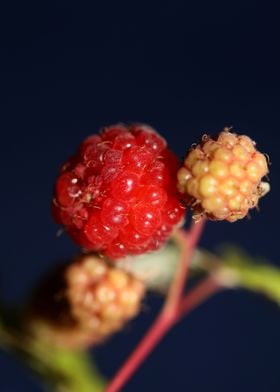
(118, 194)
(221, 177)
(84, 303)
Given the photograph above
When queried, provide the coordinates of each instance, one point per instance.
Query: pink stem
(188, 242)
(161, 326)
(150, 340)
(168, 315)
(196, 296)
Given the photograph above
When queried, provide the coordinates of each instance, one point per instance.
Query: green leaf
(253, 274)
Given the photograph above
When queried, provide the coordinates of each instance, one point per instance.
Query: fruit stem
(171, 311)
(204, 290)
(187, 241)
(156, 332)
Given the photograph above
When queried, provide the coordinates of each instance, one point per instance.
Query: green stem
(62, 370)
(235, 269)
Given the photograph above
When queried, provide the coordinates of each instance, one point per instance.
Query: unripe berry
(119, 186)
(84, 303)
(221, 177)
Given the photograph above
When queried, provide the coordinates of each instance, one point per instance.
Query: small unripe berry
(84, 303)
(221, 177)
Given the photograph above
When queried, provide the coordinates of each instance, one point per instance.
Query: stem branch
(150, 340)
(187, 242)
(168, 315)
(204, 290)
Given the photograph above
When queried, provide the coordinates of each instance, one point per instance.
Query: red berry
(118, 194)
(67, 189)
(146, 136)
(154, 195)
(158, 174)
(137, 158)
(146, 218)
(131, 238)
(116, 250)
(97, 232)
(174, 211)
(124, 141)
(114, 212)
(125, 186)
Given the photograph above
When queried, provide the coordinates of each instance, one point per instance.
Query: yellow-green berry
(221, 177)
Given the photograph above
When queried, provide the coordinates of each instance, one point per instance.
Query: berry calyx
(221, 177)
(119, 192)
(84, 303)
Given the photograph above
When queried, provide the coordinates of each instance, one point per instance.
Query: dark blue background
(187, 68)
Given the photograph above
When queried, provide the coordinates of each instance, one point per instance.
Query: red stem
(187, 242)
(150, 340)
(204, 290)
(161, 326)
(168, 315)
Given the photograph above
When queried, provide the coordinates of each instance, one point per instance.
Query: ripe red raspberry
(221, 177)
(117, 195)
(82, 304)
